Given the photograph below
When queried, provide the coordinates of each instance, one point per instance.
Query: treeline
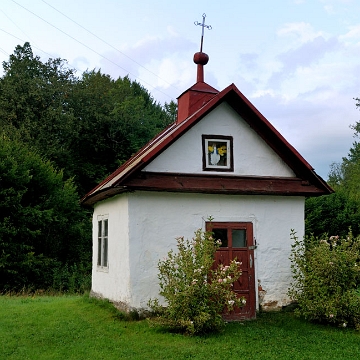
(339, 212)
(60, 135)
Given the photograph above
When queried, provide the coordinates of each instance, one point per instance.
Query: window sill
(104, 269)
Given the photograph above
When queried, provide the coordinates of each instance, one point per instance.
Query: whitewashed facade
(143, 235)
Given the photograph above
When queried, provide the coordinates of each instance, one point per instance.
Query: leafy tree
(34, 100)
(114, 118)
(86, 125)
(171, 110)
(332, 214)
(41, 224)
(336, 213)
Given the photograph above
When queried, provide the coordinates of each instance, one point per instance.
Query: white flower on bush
(208, 291)
(315, 269)
(243, 301)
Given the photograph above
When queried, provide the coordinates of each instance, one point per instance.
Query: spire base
(200, 59)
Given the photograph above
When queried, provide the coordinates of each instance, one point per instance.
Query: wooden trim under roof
(304, 172)
(211, 184)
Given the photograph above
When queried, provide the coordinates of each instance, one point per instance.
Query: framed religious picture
(217, 153)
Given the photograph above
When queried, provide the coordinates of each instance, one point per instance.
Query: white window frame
(102, 258)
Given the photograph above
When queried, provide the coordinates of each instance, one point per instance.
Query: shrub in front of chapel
(196, 294)
(326, 279)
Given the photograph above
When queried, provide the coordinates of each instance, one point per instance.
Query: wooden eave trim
(217, 184)
(92, 199)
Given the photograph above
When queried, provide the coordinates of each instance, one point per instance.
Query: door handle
(251, 261)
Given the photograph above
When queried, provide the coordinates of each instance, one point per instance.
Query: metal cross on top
(202, 32)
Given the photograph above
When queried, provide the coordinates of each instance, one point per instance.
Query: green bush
(326, 277)
(195, 293)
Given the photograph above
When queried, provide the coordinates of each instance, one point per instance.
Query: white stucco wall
(113, 283)
(252, 156)
(157, 219)
(143, 226)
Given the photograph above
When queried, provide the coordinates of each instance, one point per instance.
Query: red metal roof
(115, 183)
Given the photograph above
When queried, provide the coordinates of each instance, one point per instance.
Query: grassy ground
(73, 327)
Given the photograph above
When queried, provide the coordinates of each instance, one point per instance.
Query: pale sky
(297, 61)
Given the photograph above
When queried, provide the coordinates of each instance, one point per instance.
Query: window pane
(99, 228)
(99, 252)
(217, 153)
(106, 227)
(105, 259)
(239, 238)
(222, 235)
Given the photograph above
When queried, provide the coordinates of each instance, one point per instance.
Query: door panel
(222, 257)
(237, 243)
(242, 256)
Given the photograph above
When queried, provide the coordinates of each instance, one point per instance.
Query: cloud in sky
(308, 53)
(301, 31)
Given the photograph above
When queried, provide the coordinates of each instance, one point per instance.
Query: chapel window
(103, 234)
(217, 153)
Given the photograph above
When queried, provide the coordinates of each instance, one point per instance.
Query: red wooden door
(237, 242)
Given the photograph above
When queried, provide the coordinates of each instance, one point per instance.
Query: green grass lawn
(74, 327)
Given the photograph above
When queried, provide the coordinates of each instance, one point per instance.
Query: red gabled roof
(115, 183)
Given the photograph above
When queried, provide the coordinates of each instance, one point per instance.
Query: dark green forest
(60, 134)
